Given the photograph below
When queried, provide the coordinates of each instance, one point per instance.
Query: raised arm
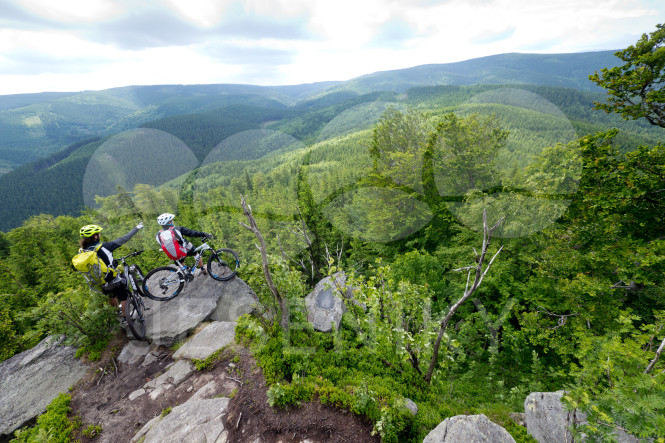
(115, 244)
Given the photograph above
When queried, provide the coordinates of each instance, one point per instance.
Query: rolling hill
(66, 129)
(36, 125)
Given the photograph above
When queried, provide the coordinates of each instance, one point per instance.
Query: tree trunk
(479, 275)
(283, 305)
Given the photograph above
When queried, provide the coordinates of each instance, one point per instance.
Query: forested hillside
(499, 240)
(36, 125)
(54, 185)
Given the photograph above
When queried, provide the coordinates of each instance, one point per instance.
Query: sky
(77, 45)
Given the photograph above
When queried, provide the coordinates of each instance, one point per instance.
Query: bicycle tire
(134, 317)
(223, 264)
(163, 283)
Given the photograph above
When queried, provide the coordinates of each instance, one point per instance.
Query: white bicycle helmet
(165, 219)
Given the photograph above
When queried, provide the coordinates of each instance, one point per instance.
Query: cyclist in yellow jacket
(116, 288)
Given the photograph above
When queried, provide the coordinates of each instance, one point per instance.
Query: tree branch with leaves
(478, 274)
(635, 89)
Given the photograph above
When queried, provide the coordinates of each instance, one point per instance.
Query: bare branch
(655, 359)
(468, 291)
(247, 210)
(562, 317)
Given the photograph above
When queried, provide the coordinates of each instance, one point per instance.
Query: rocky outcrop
(29, 381)
(213, 337)
(548, 421)
(236, 299)
(202, 299)
(199, 418)
(195, 421)
(325, 305)
(468, 428)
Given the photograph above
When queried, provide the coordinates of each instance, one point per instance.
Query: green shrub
(53, 426)
(207, 363)
(92, 431)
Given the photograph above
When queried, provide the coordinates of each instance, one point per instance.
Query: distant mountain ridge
(48, 178)
(563, 70)
(36, 125)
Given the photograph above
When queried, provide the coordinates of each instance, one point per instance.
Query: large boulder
(202, 299)
(236, 299)
(29, 381)
(213, 337)
(325, 305)
(547, 420)
(468, 428)
(193, 421)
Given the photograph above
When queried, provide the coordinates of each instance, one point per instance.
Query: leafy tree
(615, 387)
(464, 153)
(636, 89)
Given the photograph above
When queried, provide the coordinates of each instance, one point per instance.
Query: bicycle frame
(166, 282)
(134, 307)
(188, 271)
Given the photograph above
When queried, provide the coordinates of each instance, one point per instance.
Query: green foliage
(613, 387)
(290, 394)
(85, 319)
(92, 431)
(635, 89)
(165, 412)
(519, 433)
(52, 426)
(583, 247)
(207, 363)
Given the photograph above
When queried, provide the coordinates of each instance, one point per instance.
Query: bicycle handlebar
(133, 254)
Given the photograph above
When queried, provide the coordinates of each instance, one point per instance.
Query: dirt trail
(102, 399)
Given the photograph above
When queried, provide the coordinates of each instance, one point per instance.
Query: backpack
(99, 276)
(172, 244)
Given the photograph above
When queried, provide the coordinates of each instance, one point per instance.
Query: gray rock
(173, 320)
(468, 428)
(175, 375)
(324, 304)
(196, 421)
(237, 299)
(411, 406)
(546, 418)
(29, 381)
(133, 352)
(212, 338)
(151, 357)
(207, 391)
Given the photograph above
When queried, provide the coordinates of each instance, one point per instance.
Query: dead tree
(247, 210)
(479, 275)
(655, 359)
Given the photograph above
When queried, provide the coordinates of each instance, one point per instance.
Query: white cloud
(72, 11)
(204, 13)
(97, 44)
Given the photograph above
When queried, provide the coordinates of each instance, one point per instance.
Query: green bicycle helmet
(90, 230)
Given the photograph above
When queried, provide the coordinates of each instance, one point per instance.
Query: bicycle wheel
(134, 316)
(163, 283)
(223, 264)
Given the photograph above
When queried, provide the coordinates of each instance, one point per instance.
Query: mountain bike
(134, 306)
(166, 282)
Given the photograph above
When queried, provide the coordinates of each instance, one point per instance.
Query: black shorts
(120, 293)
